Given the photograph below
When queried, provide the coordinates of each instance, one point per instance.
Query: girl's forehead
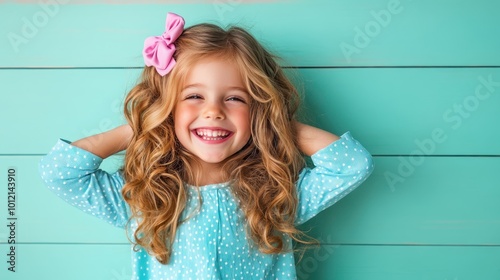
(213, 67)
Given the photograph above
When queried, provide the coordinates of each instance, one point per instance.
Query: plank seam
(323, 244)
(412, 245)
(374, 155)
(285, 67)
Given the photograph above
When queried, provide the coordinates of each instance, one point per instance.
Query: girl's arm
(341, 164)
(312, 139)
(71, 170)
(107, 143)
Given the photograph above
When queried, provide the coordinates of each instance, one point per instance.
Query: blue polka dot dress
(212, 244)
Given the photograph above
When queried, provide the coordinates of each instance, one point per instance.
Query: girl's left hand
(312, 139)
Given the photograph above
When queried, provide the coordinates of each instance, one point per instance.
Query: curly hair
(262, 174)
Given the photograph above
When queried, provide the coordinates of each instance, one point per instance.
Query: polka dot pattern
(212, 243)
(339, 169)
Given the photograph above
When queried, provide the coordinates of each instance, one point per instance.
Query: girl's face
(212, 114)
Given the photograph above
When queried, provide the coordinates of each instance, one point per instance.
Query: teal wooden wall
(416, 81)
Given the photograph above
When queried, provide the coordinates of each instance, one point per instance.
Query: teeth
(212, 133)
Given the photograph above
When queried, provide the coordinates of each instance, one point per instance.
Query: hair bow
(159, 50)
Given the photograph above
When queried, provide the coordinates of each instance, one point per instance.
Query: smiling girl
(214, 183)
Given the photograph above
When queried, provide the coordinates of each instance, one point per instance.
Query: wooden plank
(391, 111)
(400, 262)
(304, 33)
(43, 217)
(439, 200)
(406, 111)
(67, 261)
(65, 103)
(72, 261)
(444, 200)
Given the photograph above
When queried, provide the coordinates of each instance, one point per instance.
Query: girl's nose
(213, 111)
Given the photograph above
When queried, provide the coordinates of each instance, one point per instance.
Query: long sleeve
(339, 168)
(74, 175)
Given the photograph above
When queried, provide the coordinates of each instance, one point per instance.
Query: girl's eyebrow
(193, 85)
(198, 85)
(238, 89)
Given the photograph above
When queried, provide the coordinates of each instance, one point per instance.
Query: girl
(214, 182)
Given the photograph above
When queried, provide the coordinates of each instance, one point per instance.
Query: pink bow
(159, 50)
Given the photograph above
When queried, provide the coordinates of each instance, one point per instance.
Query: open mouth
(212, 134)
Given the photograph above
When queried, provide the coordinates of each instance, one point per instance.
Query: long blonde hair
(262, 174)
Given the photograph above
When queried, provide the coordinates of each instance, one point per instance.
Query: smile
(212, 134)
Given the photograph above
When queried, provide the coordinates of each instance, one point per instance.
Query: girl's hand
(312, 139)
(107, 143)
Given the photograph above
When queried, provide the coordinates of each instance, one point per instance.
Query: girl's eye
(237, 98)
(193, 96)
